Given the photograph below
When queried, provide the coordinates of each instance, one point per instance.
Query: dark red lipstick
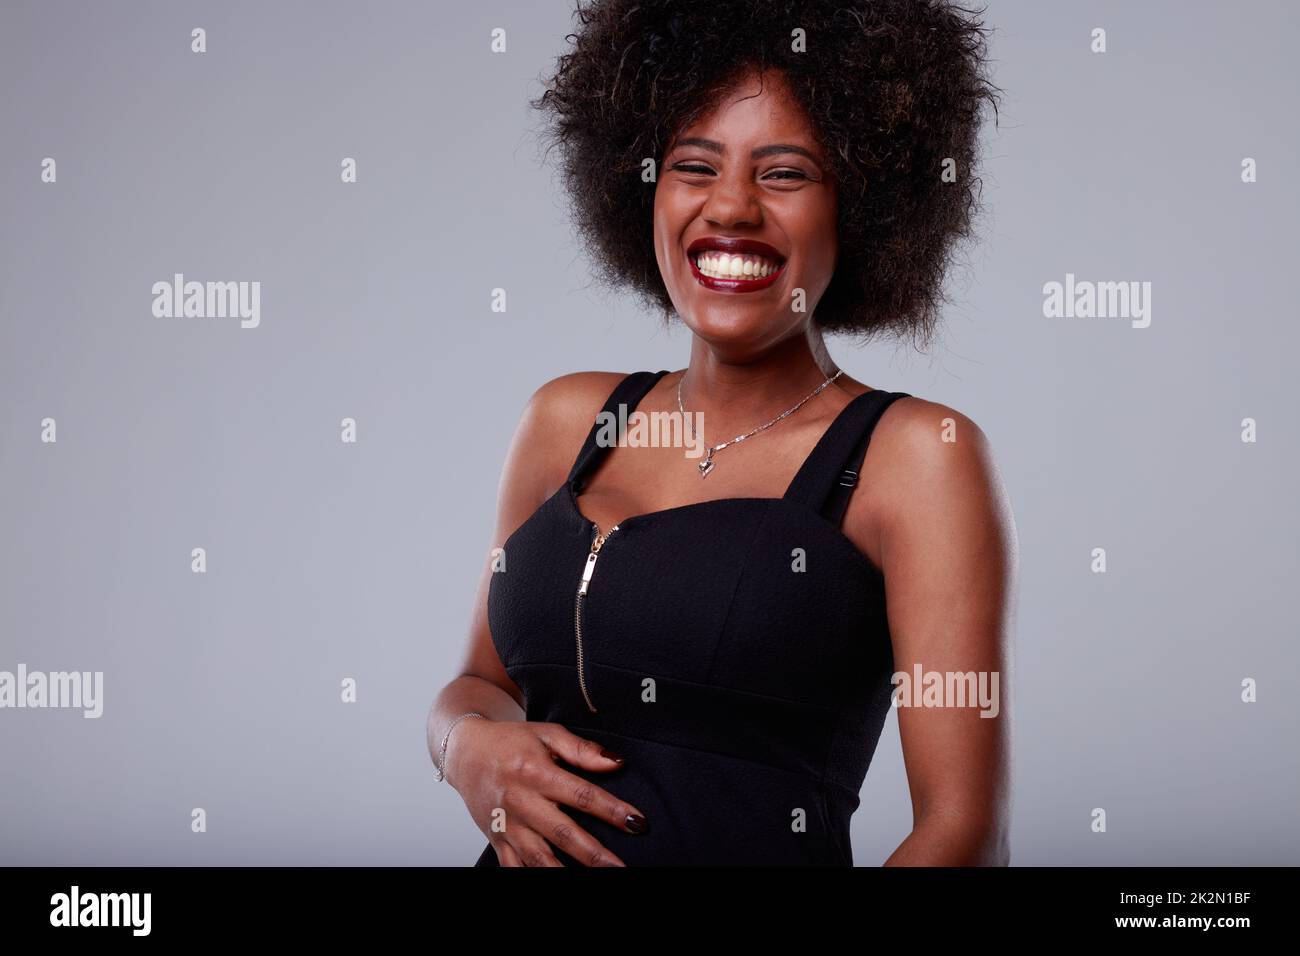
(735, 247)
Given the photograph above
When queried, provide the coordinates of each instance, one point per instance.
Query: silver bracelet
(441, 762)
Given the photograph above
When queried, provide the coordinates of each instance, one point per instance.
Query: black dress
(736, 652)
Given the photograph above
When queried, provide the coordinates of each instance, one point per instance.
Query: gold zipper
(596, 543)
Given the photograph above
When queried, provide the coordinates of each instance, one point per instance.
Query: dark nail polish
(636, 823)
(611, 755)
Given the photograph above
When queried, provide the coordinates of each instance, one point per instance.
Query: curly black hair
(893, 87)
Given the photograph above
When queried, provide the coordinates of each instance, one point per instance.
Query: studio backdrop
(254, 533)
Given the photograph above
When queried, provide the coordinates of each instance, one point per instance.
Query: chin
(736, 329)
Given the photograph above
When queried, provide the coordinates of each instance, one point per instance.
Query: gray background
(328, 560)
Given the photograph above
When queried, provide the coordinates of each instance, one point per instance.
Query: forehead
(753, 110)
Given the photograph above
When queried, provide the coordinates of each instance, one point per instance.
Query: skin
(933, 515)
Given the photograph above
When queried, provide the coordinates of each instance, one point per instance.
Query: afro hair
(895, 89)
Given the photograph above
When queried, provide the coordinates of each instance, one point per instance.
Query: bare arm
(482, 684)
(550, 432)
(506, 768)
(949, 553)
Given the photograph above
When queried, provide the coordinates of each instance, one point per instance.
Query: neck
(735, 393)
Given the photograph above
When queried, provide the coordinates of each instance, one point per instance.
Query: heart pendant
(706, 466)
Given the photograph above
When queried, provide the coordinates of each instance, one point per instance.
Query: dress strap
(628, 392)
(829, 474)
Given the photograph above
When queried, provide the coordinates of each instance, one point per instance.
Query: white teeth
(721, 265)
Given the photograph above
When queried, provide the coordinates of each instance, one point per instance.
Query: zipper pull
(588, 568)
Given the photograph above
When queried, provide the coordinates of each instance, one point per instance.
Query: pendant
(706, 465)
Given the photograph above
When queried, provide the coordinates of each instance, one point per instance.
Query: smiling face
(744, 215)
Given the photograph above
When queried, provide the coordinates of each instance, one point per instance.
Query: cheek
(660, 229)
(822, 242)
(667, 236)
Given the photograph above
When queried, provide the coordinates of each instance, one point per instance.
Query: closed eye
(778, 174)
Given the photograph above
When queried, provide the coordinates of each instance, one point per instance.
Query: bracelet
(441, 762)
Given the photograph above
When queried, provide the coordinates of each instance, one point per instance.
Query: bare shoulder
(556, 420)
(929, 456)
(564, 408)
(919, 430)
(577, 394)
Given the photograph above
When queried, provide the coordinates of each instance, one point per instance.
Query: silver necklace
(707, 464)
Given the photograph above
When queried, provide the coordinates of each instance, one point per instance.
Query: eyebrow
(774, 149)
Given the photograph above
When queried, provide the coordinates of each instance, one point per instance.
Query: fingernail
(636, 823)
(610, 755)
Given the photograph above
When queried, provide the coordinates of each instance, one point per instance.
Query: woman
(679, 660)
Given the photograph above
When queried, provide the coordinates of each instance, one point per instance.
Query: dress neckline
(801, 477)
(571, 502)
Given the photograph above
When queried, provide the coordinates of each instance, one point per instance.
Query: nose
(732, 202)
